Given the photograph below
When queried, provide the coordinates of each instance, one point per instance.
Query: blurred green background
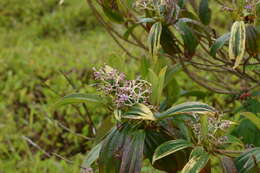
(42, 43)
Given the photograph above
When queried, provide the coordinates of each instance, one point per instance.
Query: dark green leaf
(132, 156)
(170, 163)
(248, 132)
(204, 12)
(168, 41)
(219, 43)
(189, 39)
(113, 15)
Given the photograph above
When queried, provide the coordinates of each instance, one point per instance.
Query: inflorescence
(124, 92)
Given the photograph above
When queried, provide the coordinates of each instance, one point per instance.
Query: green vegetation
(48, 50)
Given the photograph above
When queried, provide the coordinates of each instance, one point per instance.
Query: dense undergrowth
(41, 43)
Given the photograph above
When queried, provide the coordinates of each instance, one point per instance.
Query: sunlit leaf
(139, 111)
(170, 147)
(237, 42)
(197, 162)
(187, 108)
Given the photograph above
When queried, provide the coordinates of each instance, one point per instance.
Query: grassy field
(41, 45)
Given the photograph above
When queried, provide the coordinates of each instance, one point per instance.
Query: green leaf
(204, 126)
(219, 43)
(173, 91)
(170, 163)
(232, 140)
(160, 83)
(154, 38)
(153, 79)
(187, 108)
(198, 161)
(251, 40)
(139, 111)
(157, 84)
(204, 12)
(79, 98)
(237, 42)
(170, 147)
(253, 118)
(92, 156)
(247, 132)
(132, 156)
(246, 161)
(146, 20)
(168, 41)
(108, 163)
(189, 39)
(122, 150)
(197, 94)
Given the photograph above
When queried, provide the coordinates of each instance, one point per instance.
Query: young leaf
(246, 161)
(170, 147)
(219, 43)
(78, 98)
(237, 42)
(157, 84)
(160, 83)
(92, 156)
(139, 111)
(187, 108)
(197, 162)
(155, 37)
(204, 126)
(204, 12)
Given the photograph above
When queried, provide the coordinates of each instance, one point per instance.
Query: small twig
(68, 129)
(47, 153)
